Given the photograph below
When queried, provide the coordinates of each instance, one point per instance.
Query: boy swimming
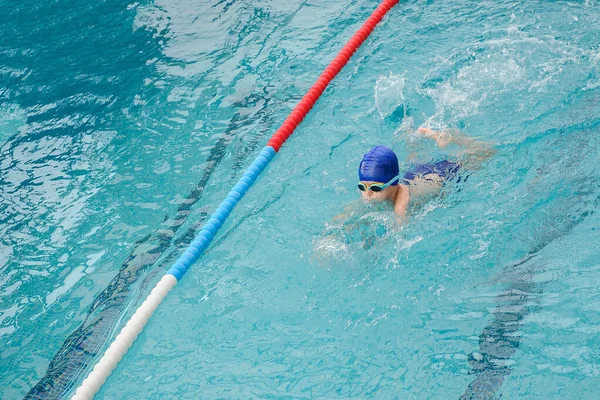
(381, 180)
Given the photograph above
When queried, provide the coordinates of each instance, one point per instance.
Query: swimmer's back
(444, 170)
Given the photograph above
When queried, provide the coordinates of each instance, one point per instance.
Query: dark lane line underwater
(48, 105)
(86, 114)
(547, 223)
(100, 109)
(85, 343)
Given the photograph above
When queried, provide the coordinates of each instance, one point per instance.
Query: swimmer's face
(376, 197)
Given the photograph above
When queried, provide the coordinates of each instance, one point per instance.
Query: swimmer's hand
(345, 214)
(441, 138)
(401, 220)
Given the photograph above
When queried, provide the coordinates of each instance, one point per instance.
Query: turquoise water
(113, 113)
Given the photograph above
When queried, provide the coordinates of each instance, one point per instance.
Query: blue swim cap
(380, 164)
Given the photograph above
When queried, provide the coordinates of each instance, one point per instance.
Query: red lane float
(335, 66)
(130, 332)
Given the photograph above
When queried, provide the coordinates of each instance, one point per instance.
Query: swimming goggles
(377, 186)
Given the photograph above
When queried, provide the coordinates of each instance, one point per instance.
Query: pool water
(114, 114)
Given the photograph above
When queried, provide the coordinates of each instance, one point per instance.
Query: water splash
(389, 96)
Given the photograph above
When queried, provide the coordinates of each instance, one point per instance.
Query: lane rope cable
(124, 340)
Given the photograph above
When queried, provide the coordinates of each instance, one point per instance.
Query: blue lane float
(217, 219)
(124, 340)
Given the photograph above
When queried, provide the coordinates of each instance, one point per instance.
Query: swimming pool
(114, 113)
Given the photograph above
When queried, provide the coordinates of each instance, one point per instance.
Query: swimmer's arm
(400, 207)
(401, 218)
(400, 211)
(345, 214)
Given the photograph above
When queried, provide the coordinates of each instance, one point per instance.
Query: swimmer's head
(380, 164)
(378, 171)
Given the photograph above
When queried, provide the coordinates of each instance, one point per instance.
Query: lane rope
(130, 332)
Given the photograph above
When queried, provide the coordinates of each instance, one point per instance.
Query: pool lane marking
(130, 332)
(82, 346)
